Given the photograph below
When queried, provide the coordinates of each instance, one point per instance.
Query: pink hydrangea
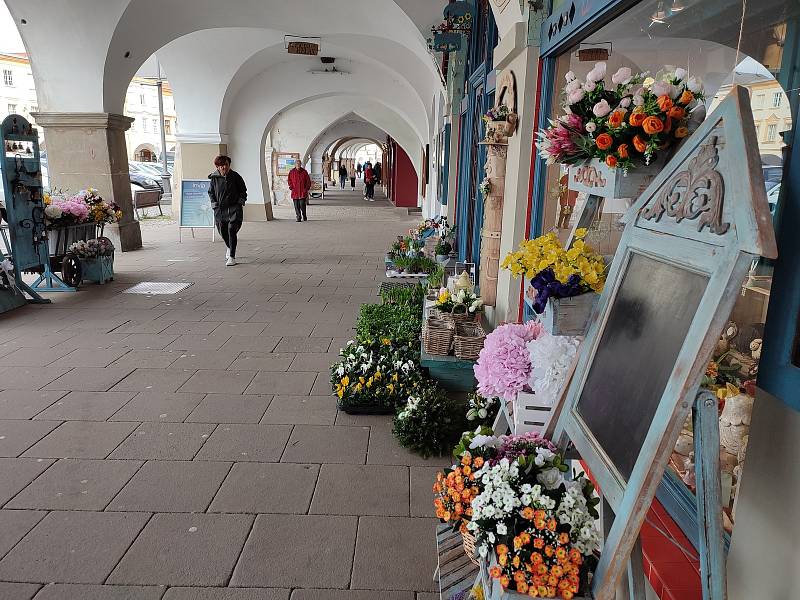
(504, 364)
(75, 208)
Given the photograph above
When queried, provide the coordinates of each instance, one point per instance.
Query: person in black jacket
(228, 195)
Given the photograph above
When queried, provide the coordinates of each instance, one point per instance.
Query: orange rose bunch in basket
(454, 491)
(623, 122)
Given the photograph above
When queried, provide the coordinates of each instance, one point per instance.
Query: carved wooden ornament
(688, 244)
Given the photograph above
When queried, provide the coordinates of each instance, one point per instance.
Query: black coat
(228, 195)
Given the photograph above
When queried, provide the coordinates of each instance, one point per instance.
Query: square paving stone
(90, 379)
(16, 473)
(322, 384)
(196, 343)
(249, 328)
(81, 439)
(164, 441)
(147, 359)
(264, 443)
(281, 383)
(158, 407)
(351, 595)
(31, 378)
(328, 329)
(244, 343)
(316, 444)
(90, 358)
(361, 490)
(293, 548)
(266, 488)
(171, 486)
(314, 361)
(179, 593)
(391, 553)
(384, 449)
(17, 436)
(218, 382)
(147, 341)
(230, 316)
(76, 485)
(303, 344)
(67, 591)
(262, 361)
(288, 328)
(184, 549)
(18, 591)
(191, 328)
(308, 410)
(72, 547)
(86, 406)
(31, 357)
(422, 480)
(154, 380)
(14, 524)
(204, 359)
(225, 408)
(19, 404)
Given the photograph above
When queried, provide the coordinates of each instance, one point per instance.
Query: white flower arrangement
(552, 357)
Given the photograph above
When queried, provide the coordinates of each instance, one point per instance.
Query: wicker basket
(437, 337)
(468, 340)
(458, 317)
(468, 540)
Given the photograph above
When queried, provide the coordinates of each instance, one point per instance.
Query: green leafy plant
(430, 422)
(400, 323)
(413, 296)
(436, 277)
(443, 247)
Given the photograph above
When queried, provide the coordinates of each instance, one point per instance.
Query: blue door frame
(779, 368)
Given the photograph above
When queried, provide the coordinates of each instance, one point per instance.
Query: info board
(196, 211)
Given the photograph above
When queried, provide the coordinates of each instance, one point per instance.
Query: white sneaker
(372, 199)
(230, 262)
(228, 253)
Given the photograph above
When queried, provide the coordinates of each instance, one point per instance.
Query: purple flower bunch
(525, 444)
(504, 364)
(548, 286)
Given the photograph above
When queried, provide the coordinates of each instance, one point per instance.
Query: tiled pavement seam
(267, 294)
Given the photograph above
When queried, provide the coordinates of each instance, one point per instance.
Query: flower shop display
(375, 376)
(485, 187)
(468, 339)
(504, 366)
(97, 259)
(501, 122)
(400, 323)
(444, 246)
(430, 422)
(405, 296)
(463, 304)
(405, 266)
(60, 211)
(481, 410)
(624, 122)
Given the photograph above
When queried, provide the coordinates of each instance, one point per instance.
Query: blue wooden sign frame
(197, 212)
(720, 239)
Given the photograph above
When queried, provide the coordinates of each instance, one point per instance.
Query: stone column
(89, 150)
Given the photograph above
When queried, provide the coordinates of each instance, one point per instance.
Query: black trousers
(300, 209)
(228, 230)
(353, 182)
(370, 189)
(342, 180)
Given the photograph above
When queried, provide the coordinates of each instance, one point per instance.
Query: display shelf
(456, 573)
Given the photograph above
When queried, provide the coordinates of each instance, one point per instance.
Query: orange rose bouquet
(454, 491)
(623, 122)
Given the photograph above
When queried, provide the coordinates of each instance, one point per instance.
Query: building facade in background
(144, 136)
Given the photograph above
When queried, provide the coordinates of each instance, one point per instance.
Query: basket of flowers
(462, 305)
(468, 340)
(96, 257)
(437, 337)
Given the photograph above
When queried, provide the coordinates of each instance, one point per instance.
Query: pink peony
(601, 109)
(622, 76)
(504, 364)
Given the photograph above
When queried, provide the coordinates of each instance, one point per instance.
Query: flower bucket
(569, 316)
(597, 178)
(99, 270)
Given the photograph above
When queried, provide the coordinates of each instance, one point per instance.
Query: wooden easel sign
(687, 246)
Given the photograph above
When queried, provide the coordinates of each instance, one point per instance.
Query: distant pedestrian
(299, 184)
(359, 168)
(352, 180)
(369, 183)
(342, 175)
(228, 194)
(378, 172)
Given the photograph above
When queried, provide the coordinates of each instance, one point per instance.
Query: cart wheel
(71, 271)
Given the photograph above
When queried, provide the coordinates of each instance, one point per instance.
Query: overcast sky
(9, 36)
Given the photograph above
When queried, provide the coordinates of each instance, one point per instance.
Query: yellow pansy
(345, 381)
(581, 232)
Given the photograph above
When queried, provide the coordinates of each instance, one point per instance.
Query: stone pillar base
(258, 212)
(125, 236)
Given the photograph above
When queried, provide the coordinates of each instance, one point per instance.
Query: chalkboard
(196, 208)
(646, 328)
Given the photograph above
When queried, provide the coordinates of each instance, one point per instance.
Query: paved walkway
(156, 445)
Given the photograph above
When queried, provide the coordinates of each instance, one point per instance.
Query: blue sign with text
(196, 208)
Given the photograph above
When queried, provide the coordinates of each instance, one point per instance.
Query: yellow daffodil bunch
(547, 252)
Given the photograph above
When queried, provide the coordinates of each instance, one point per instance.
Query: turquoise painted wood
(452, 373)
(99, 270)
(709, 503)
(717, 236)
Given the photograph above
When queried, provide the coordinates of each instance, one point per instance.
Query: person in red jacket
(299, 184)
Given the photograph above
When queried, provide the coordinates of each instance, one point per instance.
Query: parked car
(772, 175)
(140, 181)
(772, 197)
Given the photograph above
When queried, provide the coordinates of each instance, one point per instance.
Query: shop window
(646, 38)
(167, 127)
(155, 126)
(142, 99)
(12, 109)
(8, 77)
(144, 126)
